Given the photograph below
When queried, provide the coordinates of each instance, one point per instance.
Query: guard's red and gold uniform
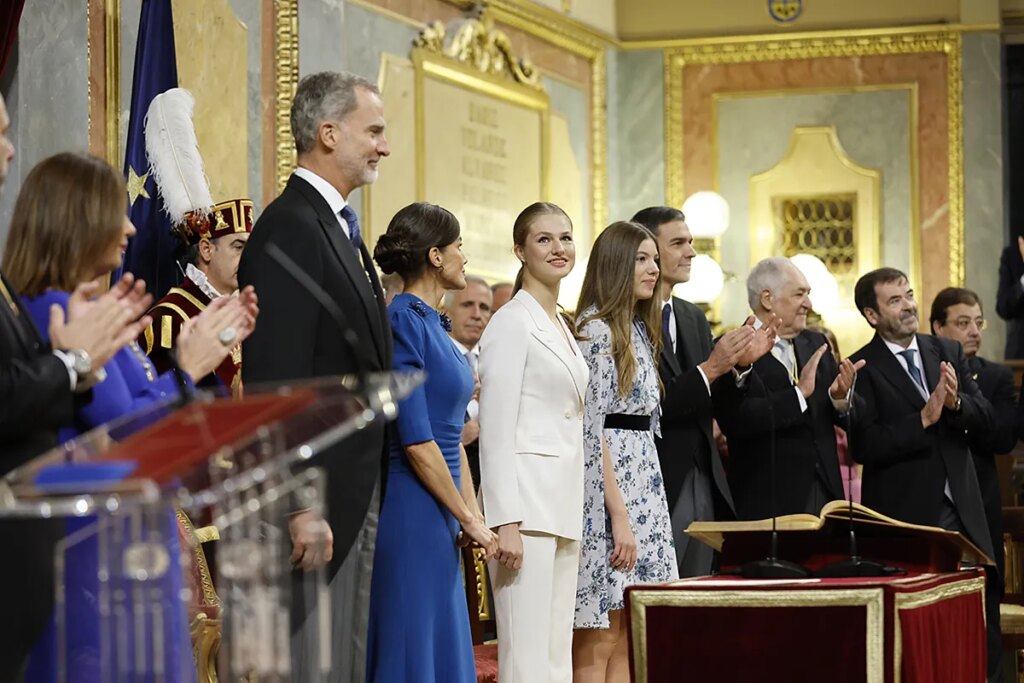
(169, 314)
(188, 300)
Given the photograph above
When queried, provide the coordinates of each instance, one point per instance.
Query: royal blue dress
(419, 622)
(131, 384)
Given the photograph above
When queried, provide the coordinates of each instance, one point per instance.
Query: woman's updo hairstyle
(405, 247)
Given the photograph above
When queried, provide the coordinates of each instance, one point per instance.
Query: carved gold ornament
(478, 44)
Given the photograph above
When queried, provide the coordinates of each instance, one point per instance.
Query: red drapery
(10, 16)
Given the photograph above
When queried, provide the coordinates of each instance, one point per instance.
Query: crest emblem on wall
(785, 11)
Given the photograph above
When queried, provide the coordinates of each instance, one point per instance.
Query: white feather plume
(174, 155)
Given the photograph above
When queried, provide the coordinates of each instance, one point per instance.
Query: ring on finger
(228, 336)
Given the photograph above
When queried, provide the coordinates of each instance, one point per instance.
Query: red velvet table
(921, 628)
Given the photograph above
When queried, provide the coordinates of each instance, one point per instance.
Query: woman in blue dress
(419, 622)
(69, 227)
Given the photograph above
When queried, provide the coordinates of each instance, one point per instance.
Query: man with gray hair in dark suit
(338, 125)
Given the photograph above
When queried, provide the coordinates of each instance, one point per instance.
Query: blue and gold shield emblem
(785, 11)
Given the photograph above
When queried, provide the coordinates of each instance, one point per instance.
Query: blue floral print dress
(600, 588)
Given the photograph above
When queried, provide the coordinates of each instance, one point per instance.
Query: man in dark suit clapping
(914, 434)
(695, 481)
(795, 396)
(338, 123)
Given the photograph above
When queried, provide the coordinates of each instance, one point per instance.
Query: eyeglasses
(963, 323)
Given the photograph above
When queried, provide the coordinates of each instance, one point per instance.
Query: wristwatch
(81, 363)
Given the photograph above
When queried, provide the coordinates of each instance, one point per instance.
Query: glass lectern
(138, 596)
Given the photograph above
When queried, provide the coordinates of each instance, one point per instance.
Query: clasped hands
(740, 347)
(475, 532)
(841, 385)
(946, 395)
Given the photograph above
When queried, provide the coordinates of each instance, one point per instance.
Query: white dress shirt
(328, 192)
(473, 409)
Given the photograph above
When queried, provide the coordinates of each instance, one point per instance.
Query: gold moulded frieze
(820, 45)
(476, 43)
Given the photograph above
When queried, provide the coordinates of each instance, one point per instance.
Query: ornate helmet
(177, 167)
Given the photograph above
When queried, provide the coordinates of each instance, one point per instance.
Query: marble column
(985, 231)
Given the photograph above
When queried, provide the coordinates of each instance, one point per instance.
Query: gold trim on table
(871, 598)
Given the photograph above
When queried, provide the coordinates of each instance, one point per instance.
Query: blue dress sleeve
(113, 397)
(408, 328)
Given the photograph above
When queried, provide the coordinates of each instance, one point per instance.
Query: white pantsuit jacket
(531, 421)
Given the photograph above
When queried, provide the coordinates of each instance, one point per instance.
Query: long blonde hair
(609, 286)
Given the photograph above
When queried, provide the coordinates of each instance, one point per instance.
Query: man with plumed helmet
(213, 235)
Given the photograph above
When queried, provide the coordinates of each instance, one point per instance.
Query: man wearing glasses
(956, 314)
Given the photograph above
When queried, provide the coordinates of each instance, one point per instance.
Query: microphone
(772, 567)
(348, 336)
(855, 565)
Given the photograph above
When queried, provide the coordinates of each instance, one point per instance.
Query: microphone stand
(772, 567)
(854, 565)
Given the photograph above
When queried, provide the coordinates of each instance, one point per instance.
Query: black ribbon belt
(636, 423)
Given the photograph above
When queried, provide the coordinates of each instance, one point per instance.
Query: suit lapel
(22, 327)
(547, 334)
(930, 360)
(885, 364)
(688, 340)
(349, 262)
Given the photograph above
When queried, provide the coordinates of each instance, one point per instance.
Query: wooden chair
(481, 614)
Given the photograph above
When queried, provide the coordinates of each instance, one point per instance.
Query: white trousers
(534, 608)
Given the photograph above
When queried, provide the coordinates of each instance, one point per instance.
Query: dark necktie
(915, 374)
(666, 320)
(354, 235)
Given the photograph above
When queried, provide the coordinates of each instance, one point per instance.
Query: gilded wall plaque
(480, 138)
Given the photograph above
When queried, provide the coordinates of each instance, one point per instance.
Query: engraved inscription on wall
(482, 162)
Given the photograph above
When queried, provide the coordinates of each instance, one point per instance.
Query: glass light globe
(707, 214)
(824, 288)
(706, 281)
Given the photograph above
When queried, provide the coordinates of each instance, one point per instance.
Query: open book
(836, 512)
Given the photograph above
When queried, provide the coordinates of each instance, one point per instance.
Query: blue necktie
(354, 234)
(915, 374)
(666, 320)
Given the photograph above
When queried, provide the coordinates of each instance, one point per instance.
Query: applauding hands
(740, 347)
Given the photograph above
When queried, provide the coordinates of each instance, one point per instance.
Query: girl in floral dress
(627, 534)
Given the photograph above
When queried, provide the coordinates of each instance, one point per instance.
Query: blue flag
(151, 253)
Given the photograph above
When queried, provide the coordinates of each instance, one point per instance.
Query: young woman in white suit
(533, 381)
